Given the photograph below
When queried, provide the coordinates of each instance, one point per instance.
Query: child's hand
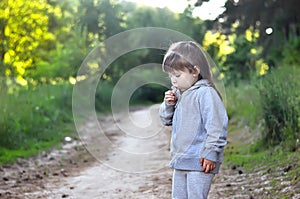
(207, 165)
(170, 97)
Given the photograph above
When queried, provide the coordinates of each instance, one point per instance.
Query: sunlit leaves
(25, 26)
(261, 67)
(210, 38)
(251, 35)
(219, 40)
(238, 56)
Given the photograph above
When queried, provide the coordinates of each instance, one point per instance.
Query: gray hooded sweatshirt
(199, 127)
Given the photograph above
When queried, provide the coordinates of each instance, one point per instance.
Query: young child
(199, 121)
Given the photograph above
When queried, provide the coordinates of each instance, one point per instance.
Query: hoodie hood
(198, 84)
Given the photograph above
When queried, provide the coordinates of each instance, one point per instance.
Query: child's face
(183, 79)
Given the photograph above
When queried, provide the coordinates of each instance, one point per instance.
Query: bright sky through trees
(209, 10)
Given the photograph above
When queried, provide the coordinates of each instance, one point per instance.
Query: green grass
(39, 118)
(33, 120)
(243, 104)
(276, 164)
(247, 149)
(280, 105)
(9, 155)
(244, 156)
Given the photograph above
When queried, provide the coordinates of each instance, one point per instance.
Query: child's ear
(196, 70)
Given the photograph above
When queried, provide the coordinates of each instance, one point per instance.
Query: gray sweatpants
(191, 184)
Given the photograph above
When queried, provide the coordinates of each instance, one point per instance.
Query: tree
(102, 18)
(140, 16)
(279, 17)
(238, 56)
(24, 33)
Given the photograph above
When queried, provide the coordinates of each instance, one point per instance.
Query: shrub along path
(71, 172)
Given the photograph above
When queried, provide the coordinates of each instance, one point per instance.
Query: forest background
(255, 44)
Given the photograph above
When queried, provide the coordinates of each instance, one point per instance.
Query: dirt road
(135, 166)
(130, 160)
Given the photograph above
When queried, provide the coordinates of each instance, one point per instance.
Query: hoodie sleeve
(166, 112)
(215, 123)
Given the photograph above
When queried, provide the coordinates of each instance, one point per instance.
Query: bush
(33, 119)
(148, 94)
(242, 104)
(103, 97)
(279, 93)
(291, 51)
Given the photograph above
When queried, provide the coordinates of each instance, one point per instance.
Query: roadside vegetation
(264, 132)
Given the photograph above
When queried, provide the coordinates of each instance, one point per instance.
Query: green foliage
(280, 15)
(270, 106)
(238, 56)
(58, 35)
(280, 102)
(103, 97)
(34, 119)
(64, 61)
(243, 104)
(101, 18)
(291, 51)
(274, 163)
(141, 16)
(151, 93)
(24, 32)
(240, 64)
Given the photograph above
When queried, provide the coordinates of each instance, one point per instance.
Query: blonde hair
(188, 54)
